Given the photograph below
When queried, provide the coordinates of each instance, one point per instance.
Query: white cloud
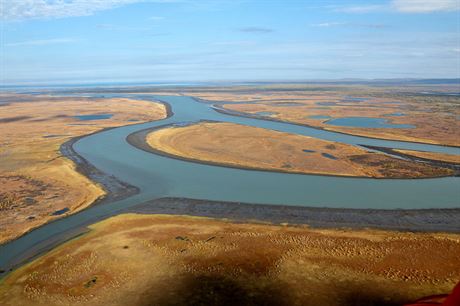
(41, 42)
(425, 6)
(349, 24)
(328, 24)
(361, 8)
(37, 9)
(156, 18)
(403, 6)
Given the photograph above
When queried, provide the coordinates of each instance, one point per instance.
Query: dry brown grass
(434, 156)
(436, 120)
(36, 180)
(174, 260)
(257, 148)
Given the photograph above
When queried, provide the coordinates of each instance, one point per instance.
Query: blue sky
(69, 41)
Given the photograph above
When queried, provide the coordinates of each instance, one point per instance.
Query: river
(158, 176)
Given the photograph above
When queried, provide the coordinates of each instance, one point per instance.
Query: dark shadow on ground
(211, 289)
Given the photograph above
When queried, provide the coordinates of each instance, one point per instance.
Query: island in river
(409, 114)
(159, 259)
(246, 147)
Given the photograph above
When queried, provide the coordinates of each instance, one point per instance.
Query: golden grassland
(134, 259)
(257, 148)
(35, 179)
(449, 158)
(435, 118)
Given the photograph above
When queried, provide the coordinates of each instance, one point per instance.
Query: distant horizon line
(230, 82)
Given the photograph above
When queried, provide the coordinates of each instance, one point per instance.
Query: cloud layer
(31, 9)
(425, 6)
(403, 6)
(41, 42)
(42, 9)
(349, 24)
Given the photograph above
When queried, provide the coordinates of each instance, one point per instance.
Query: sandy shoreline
(115, 189)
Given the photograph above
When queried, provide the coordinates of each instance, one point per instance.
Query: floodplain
(125, 247)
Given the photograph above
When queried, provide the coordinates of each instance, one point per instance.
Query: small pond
(60, 211)
(265, 113)
(326, 103)
(327, 155)
(93, 117)
(53, 135)
(353, 99)
(395, 115)
(287, 104)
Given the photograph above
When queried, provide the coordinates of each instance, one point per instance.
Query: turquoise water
(157, 176)
(93, 117)
(397, 114)
(367, 122)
